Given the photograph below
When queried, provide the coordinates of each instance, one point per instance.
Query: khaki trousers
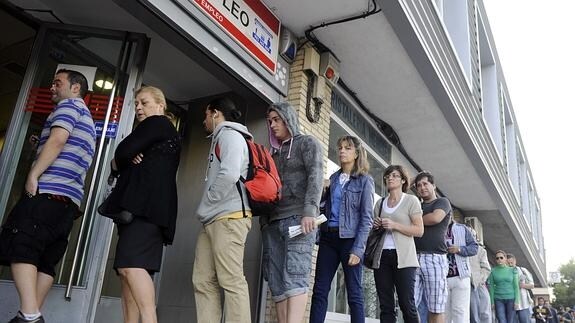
(219, 264)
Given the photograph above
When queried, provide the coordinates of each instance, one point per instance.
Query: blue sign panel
(110, 132)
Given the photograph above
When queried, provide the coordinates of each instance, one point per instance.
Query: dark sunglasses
(499, 257)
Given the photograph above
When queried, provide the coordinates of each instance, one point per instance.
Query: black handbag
(371, 245)
(371, 248)
(118, 215)
(110, 209)
(325, 196)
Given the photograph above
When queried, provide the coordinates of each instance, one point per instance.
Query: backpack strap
(242, 179)
(242, 198)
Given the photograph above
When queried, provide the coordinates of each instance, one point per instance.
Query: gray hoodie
(299, 161)
(221, 196)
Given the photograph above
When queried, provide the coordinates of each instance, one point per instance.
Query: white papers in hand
(295, 230)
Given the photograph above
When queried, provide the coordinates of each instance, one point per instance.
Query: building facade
(419, 82)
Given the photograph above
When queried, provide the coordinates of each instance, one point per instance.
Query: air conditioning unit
(474, 223)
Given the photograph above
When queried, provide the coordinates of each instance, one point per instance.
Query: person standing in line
(503, 289)
(480, 305)
(461, 245)
(219, 260)
(398, 218)
(287, 261)
(553, 317)
(431, 276)
(342, 239)
(525, 284)
(541, 313)
(567, 316)
(147, 162)
(561, 314)
(35, 236)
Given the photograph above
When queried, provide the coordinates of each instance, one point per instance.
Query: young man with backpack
(226, 218)
(287, 261)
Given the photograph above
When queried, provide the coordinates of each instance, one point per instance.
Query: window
(491, 105)
(511, 144)
(524, 190)
(455, 17)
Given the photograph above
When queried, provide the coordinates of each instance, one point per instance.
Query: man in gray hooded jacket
(220, 247)
(299, 161)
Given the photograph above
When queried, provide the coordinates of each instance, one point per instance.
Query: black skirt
(140, 245)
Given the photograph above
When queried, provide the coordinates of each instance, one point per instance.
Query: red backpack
(262, 183)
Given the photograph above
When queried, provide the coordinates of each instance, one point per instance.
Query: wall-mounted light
(107, 85)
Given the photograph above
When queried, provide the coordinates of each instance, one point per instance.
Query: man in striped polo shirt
(35, 236)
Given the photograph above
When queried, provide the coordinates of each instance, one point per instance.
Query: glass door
(113, 62)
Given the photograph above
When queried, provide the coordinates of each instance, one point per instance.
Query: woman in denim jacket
(349, 204)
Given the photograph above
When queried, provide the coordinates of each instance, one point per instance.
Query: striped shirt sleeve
(66, 115)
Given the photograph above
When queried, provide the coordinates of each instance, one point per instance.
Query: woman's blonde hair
(361, 164)
(156, 93)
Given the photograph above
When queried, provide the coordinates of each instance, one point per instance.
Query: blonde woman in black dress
(147, 161)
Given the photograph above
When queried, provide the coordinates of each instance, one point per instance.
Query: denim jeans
(523, 316)
(286, 261)
(389, 278)
(480, 305)
(333, 251)
(504, 310)
(422, 308)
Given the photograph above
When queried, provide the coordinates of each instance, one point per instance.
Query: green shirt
(503, 283)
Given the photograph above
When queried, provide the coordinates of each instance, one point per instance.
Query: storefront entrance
(117, 62)
(112, 61)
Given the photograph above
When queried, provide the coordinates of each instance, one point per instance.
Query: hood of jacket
(218, 131)
(299, 161)
(289, 117)
(232, 125)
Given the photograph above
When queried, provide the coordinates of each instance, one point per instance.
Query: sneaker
(19, 318)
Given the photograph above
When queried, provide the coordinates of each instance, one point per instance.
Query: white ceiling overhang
(411, 97)
(375, 65)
